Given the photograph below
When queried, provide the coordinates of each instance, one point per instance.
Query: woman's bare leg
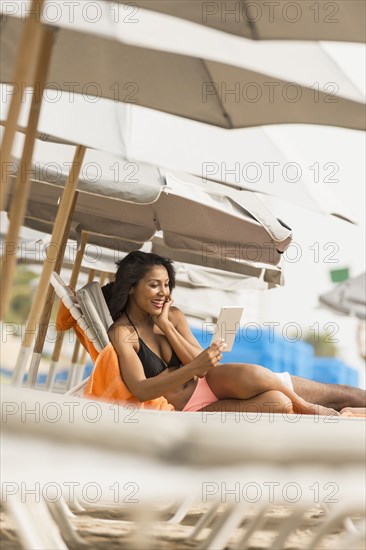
(273, 402)
(244, 381)
(267, 402)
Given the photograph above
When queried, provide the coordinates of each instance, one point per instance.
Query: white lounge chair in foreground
(96, 450)
(138, 460)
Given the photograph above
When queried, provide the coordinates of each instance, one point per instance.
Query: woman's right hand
(207, 359)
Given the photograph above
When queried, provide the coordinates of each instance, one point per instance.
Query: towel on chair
(65, 321)
(105, 382)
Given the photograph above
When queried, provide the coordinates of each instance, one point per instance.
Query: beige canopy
(209, 219)
(343, 20)
(190, 87)
(347, 298)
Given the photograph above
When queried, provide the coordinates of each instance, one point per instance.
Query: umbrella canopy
(208, 219)
(100, 246)
(200, 291)
(104, 259)
(186, 86)
(312, 64)
(272, 276)
(258, 20)
(280, 20)
(254, 171)
(257, 159)
(348, 298)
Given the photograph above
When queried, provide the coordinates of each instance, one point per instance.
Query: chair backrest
(95, 311)
(79, 389)
(88, 307)
(78, 305)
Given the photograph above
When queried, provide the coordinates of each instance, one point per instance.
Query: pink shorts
(201, 397)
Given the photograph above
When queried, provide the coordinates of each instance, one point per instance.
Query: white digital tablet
(228, 325)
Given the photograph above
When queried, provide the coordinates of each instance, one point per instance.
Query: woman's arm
(173, 324)
(145, 389)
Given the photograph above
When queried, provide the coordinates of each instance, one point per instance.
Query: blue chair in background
(270, 349)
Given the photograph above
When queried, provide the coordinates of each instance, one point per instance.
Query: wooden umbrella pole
(75, 355)
(102, 278)
(21, 192)
(78, 259)
(80, 367)
(59, 227)
(83, 357)
(60, 335)
(47, 308)
(28, 53)
(91, 275)
(70, 382)
(74, 360)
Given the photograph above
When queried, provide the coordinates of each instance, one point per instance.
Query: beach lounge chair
(80, 311)
(176, 455)
(221, 449)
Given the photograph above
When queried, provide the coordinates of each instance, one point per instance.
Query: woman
(159, 356)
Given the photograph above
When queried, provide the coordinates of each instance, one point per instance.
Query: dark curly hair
(129, 272)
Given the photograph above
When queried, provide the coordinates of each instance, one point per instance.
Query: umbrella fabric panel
(249, 251)
(178, 84)
(90, 215)
(199, 277)
(297, 61)
(342, 20)
(190, 211)
(260, 99)
(348, 298)
(356, 291)
(102, 173)
(214, 227)
(117, 244)
(135, 182)
(126, 171)
(272, 276)
(187, 276)
(141, 183)
(119, 72)
(93, 224)
(188, 222)
(216, 260)
(236, 202)
(345, 308)
(94, 206)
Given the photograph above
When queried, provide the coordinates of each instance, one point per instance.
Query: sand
(119, 533)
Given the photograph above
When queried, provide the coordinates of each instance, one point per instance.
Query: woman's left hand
(161, 319)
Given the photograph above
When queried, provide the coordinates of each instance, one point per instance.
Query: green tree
(21, 295)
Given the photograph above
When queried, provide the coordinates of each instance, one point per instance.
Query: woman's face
(152, 290)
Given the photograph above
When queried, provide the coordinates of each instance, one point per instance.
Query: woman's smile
(158, 303)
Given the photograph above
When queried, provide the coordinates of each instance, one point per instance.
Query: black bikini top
(152, 363)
